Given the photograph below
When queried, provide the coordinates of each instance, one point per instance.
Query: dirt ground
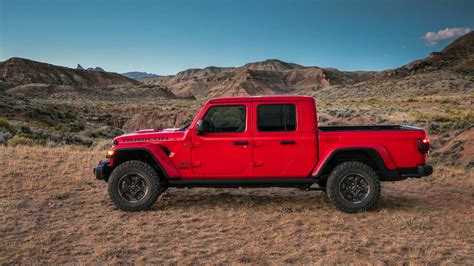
(52, 210)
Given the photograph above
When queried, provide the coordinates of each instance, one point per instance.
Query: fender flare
(159, 157)
(378, 153)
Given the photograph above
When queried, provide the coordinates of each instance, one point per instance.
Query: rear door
(276, 138)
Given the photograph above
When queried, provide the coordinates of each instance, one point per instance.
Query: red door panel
(276, 140)
(223, 154)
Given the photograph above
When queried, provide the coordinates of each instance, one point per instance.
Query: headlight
(110, 154)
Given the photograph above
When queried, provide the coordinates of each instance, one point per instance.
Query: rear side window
(276, 117)
(226, 118)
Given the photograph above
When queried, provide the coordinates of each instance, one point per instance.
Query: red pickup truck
(265, 141)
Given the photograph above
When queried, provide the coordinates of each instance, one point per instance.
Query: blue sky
(165, 37)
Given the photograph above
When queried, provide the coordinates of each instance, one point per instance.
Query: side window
(226, 118)
(276, 117)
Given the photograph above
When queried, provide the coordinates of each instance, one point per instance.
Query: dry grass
(53, 211)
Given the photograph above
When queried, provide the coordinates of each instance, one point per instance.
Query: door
(225, 150)
(276, 139)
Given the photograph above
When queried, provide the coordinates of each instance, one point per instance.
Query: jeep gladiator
(263, 141)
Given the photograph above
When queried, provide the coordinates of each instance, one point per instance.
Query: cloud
(432, 37)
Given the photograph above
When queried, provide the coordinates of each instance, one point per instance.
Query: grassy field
(52, 210)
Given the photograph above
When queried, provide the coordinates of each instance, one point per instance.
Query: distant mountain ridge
(270, 77)
(99, 69)
(20, 71)
(136, 75)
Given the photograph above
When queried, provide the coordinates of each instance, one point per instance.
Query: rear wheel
(134, 186)
(353, 187)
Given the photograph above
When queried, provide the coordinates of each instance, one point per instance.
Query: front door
(225, 150)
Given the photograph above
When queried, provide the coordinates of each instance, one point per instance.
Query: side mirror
(202, 126)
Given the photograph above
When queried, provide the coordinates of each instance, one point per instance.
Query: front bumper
(102, 170)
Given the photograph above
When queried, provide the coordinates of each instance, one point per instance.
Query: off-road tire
(342, 171)
(149, 175)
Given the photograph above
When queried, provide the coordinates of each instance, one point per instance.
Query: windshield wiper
(184, 127)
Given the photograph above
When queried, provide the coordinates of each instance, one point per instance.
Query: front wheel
(353, 187)
(134, 186)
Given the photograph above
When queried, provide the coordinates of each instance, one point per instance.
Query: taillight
(424, 145)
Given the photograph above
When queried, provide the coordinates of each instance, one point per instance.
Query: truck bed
(398, 143)
(368, 128)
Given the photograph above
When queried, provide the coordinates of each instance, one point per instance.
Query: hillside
(441, 73)
(265, 77)
(457, 56)
(20, 71)
(45, 103)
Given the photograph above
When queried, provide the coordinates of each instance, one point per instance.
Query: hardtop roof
(271, 98)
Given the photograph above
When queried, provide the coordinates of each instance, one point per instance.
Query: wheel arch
(368, 155)
(122, 155)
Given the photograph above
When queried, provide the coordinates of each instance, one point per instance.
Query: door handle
(287, 142)
(241, 143)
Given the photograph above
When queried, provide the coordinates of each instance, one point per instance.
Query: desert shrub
(105, 132)
(24, 131)
(51, 144)
(75, 126)
(332, 112)
(70, 115)
(71, 139)
(72, 127)
(372, 100)
(7, 131)
(51, 115)
(60, 196)
(4, 123)
(5, 135)
(439, 123)
(40, 134)
(85, 141)
(444, 101)
(103, 145)
(323, 118)
(188, 120)
(20, 141)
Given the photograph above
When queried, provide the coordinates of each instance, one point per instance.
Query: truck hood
(147, 135)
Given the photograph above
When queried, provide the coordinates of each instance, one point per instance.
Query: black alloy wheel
(132, 187)
(354, 188)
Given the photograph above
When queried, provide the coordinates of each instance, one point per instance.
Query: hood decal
(139, 139)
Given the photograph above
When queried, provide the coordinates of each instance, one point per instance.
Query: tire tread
(155, 187)
(333, 184)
